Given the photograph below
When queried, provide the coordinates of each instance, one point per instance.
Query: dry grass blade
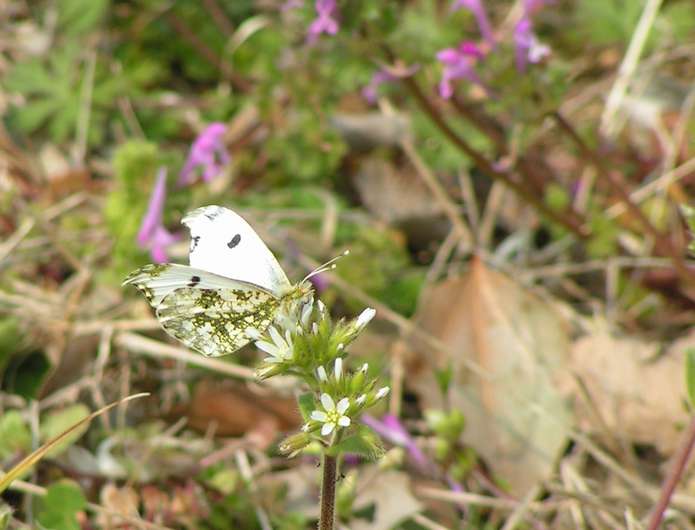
(37, 455)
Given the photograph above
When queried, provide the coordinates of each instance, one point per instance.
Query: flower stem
(328, 484)
(681, 460)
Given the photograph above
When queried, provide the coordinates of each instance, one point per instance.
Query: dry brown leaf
(122, 501)
(389, 492)
(517, 418)
(640, 396)
(233, 410)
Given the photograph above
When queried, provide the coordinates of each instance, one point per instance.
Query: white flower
(382, 392)
(364, 368)
(360, 400)
(332, 416)
(321, 372)
(338, 368)
(365, 317)
(306, 313)
(280, 349)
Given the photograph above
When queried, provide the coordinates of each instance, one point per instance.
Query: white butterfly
(232, 291)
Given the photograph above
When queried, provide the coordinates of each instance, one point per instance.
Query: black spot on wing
(194, 242)
(195, 280)
(234, 241)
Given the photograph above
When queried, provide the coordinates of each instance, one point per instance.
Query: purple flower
(476, 7)
(528, 48)
(208, 153)
(152, 234)
(391, 429)
(386, 75)
(458, 64)
(532, 6)
(370, 92)
(291, 4)
(325, 21)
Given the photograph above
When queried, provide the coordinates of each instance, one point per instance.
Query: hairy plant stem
(328, 485)
(671, 481)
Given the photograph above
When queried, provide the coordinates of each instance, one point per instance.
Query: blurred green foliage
(57, 510)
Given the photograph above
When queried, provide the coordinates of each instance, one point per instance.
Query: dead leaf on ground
(389, 493)
(639, 394)
(517, 417)
(122, 501)
(233, 410)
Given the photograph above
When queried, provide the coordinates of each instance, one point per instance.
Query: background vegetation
(522, 232)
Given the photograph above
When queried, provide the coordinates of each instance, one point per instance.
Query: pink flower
(385, 75)
(458, 64)
(208, 153)
(325, 21)
(390, 428)
(476, 7)
(528, 48)
(152, 234)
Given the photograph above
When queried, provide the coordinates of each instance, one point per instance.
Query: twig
(138, 344)
(206, 52)
(673, 477)
(570, 220)
(628, 66)
(663, 243)
(219, 17)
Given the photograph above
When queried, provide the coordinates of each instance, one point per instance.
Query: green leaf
(59, 507)
(306, 405)
(690, 374)
(5, 514)
(15, 436)
(81, 16)
(364, 443)
(58, 422)
(33, 458)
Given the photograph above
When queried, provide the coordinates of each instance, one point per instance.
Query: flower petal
(343, 405)
(268, 348)
(344, 421)
(319, 415)
(321, 372)
(277, 338)
(327, 402)
(327, 428)
(338, 369)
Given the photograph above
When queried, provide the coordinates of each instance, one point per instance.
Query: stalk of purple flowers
(386, 75)
(208, 154)
(458, 63)
(325, 21)
(153, 235)
(390, 428)
(476, 7)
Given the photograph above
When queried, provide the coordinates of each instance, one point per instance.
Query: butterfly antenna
(328, 266)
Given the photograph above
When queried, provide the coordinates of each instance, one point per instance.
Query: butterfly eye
(235, 241)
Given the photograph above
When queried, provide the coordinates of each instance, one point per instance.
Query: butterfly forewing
(216, 322)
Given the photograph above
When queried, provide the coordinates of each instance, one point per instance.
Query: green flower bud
(295, 443)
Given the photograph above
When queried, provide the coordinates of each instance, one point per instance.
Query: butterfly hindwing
(216, 322)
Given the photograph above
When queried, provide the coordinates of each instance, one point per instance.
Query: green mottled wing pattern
(216, 322)
(207, 312)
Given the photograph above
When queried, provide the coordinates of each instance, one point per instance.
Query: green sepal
(306, 405)
(364, 442)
